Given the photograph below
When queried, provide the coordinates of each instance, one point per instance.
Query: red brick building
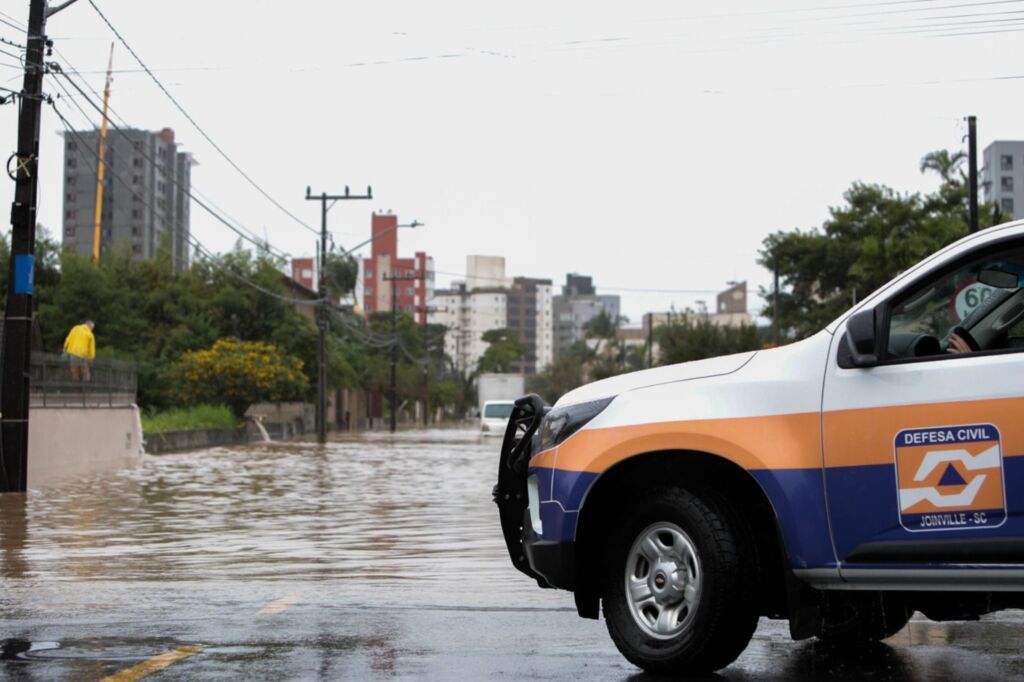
(304, 272)
(412, 294)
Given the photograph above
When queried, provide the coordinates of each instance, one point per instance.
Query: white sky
(649, 144)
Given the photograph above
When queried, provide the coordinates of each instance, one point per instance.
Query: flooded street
(375, 557)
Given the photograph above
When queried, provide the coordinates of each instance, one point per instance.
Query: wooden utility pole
(321, 318)
(23, 169)
(972, 170)
(394, 343)
(102, 164)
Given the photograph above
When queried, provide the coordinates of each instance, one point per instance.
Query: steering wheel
(971, 342)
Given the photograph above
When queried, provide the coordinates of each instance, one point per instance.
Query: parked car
(842, 482)
(494, 416)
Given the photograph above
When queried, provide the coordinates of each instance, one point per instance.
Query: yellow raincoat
(80, 342)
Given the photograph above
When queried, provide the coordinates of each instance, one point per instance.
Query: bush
(198, 417)
(239, 373)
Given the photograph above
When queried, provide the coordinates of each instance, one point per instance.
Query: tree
(694, 337)
(876, 234)
(504, 348)
(239, 373)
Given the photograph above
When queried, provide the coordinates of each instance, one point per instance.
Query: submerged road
(376, 557)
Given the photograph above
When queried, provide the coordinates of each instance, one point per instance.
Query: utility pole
(972, 163)
(98, 221)
(321, 318)
(650, 340)
(23, 168)
(394, 343)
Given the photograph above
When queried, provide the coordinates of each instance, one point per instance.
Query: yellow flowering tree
(238, 374)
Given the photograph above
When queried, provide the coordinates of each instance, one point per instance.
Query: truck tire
(851, 619)
(678, 581)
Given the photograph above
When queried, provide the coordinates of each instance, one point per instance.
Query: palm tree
(945, 164)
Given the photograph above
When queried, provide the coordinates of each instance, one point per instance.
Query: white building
(489, 300)
(1002, 177)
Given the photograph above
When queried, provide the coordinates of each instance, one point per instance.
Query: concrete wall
(67, 442)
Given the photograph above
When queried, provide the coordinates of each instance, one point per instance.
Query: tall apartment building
(470, 311)
(530, 315)
(143, 215)
(578, 303)
(415, 288)
(1002, 177)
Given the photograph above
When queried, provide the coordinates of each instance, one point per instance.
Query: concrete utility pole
(972, 164)
(23, 169)
(321, 318)
(394, 344)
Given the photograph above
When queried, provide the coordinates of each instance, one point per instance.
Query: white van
(842, 482)
(494, 416)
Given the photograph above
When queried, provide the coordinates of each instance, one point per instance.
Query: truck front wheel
(678, 583)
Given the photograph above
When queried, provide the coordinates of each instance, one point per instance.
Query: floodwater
(374, 557)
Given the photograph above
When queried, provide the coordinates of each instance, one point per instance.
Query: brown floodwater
(376, 556)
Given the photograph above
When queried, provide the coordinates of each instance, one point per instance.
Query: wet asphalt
(376, 557)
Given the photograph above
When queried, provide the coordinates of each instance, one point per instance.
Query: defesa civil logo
(950, 478)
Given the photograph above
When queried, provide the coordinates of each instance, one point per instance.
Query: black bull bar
(510, 493)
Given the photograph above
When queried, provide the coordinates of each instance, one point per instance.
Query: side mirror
(860, 337)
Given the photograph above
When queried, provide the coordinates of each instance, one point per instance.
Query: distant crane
(102, 163)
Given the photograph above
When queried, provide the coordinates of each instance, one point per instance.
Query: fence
(112, 383)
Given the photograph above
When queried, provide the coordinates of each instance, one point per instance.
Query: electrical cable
(240, 230)
(192, 240)
(505, 280)
(196, 125)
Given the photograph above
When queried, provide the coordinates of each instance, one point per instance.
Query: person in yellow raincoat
(80, 349)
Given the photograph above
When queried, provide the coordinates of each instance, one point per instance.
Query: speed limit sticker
(968, 297)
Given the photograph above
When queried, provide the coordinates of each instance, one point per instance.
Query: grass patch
(198, 417)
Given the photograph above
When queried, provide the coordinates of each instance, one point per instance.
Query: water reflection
(412, 508)
(13, 532)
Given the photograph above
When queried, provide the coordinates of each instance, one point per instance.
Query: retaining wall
(67, 442)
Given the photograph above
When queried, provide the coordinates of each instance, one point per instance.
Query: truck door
(924, 453)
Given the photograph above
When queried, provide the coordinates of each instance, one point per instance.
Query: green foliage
(569, 371)
(196, 417)
(694, 337)
(504, 349)
(340, 273)
(239, 373)
(876, 234)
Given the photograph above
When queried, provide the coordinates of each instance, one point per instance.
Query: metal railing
(56, 383)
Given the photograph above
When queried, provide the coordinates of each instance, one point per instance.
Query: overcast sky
(652, 145)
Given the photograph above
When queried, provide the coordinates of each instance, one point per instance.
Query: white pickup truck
(842, 482)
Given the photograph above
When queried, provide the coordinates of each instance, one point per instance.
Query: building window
(136, 248)
(1005, 162)
(137, 214)
(72, 145)
(369, 273)
(136, 231)
(369, 307)
(72, 162)
(1006, 183)
(136, 179)
(69, 197)
(71, 179)
(1006, 205)
(69, 214)
(368, 291)
(137, 162)
(69, 232)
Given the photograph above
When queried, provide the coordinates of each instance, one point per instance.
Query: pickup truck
(841, 482)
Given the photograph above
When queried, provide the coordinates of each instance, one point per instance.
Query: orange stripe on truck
(865, 436)
(791, 441)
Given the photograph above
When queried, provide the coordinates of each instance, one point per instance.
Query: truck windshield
(498, 411)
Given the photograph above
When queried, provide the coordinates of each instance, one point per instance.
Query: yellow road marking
(279, 605)
(155, 664)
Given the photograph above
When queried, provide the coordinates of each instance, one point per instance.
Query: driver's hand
(957, 345)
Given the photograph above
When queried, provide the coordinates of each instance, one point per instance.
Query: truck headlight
(562, 422)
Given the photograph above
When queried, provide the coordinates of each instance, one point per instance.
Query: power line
(505, 280)
(241, 231)
(196, 125)
(192, 240)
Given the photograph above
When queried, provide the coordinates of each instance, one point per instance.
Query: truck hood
(684, 371)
